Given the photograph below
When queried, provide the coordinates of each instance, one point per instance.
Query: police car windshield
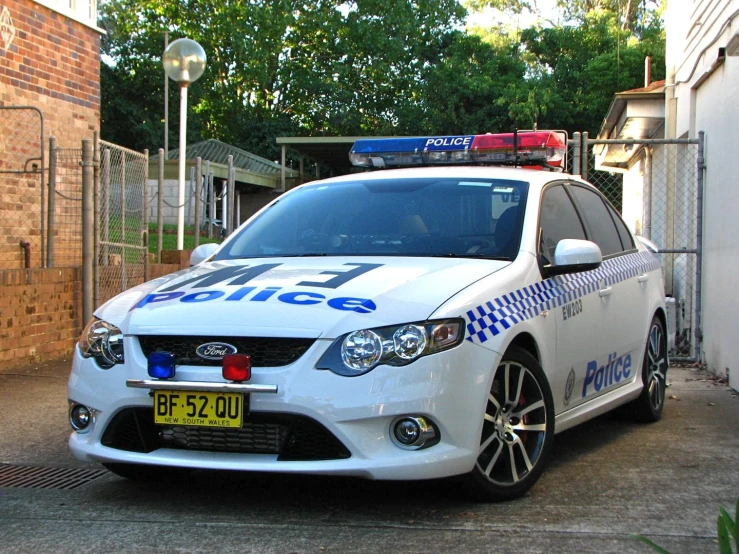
(471, 218)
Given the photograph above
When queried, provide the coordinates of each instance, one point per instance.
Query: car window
(558, 220)
(392, 217)
(597, 220)
(626, 241)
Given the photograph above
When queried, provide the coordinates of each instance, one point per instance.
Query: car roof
(536, 178)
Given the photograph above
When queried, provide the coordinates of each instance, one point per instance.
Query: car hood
(297, 297)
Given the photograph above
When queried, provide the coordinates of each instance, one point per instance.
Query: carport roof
(330, 151)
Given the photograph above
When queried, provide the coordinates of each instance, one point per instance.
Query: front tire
(517, 432)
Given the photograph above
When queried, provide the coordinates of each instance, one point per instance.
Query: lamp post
(184, 62)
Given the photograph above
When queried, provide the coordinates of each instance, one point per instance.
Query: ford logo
(215, 350)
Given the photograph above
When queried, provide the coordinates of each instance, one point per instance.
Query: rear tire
(517, 432)
(648, 407)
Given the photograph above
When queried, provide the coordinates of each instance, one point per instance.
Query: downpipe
(26, 252)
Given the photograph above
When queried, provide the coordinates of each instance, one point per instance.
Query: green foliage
(369, 67)
(462, 91)
(275, 67)
(584, 66)
(727, 529)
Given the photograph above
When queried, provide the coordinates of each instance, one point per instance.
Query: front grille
(252, 438)
(291, 437)
(264, 352)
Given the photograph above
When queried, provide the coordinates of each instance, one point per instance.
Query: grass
(169, 238)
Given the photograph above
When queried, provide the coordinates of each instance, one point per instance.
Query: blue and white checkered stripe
(493, 317)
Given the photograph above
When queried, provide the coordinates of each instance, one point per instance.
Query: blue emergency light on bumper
(161, 365)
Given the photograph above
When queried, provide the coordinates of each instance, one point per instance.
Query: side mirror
(203, 252)
(575, 256)
(652, 247)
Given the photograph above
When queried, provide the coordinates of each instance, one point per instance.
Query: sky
(489, 16)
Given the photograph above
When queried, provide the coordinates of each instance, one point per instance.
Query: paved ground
(607, 480)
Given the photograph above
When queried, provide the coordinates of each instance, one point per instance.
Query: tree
(588, 64)
(369, 67)
(466, 91)
(574, 70)
(278, 66)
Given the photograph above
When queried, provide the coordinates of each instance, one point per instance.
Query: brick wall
(53, 64)
(41, 312)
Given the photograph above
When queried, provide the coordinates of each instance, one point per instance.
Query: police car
(444, 319)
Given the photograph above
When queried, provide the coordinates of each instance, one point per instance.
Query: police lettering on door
(616, 369)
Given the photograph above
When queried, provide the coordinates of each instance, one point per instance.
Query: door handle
(605, 292)
(643, 278)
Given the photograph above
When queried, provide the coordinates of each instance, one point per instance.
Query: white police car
(436, 321)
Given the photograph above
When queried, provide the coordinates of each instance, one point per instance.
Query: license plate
(198, 408)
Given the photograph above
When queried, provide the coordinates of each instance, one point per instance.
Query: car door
(620, 295)
(574, 305)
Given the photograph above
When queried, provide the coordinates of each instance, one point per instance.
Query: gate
(659, 192)
(121, 220)
(65, 207)
(22, 201)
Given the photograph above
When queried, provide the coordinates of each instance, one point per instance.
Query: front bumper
(449, 388)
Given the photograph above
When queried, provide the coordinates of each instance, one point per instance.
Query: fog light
(413, 432)
(161, 365)
(80, 417)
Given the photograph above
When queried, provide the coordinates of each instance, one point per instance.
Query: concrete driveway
(607, 479)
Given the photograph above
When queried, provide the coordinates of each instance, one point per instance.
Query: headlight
(361, 351)
(102, 341)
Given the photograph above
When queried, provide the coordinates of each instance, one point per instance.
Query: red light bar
(547, 147)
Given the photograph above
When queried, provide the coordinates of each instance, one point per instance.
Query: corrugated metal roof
(218, 152)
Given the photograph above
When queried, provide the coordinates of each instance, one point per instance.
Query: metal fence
(121, 220)
(210, 211)
(64, 233)
(22, 194)
(659, 192)
(42, 213)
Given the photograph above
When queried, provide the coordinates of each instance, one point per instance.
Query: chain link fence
(65, 206)
(121, 220)
(658, 191)
(22, 201)
(41, 220)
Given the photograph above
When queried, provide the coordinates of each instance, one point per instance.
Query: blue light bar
(408, 151)
(161, 365)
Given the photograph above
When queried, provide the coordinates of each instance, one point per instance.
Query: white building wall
(633, 202)
(716, 112)
(706, 88)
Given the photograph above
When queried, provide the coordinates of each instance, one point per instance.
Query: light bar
(530, 148)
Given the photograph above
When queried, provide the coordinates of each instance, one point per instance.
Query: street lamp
(184, 62)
